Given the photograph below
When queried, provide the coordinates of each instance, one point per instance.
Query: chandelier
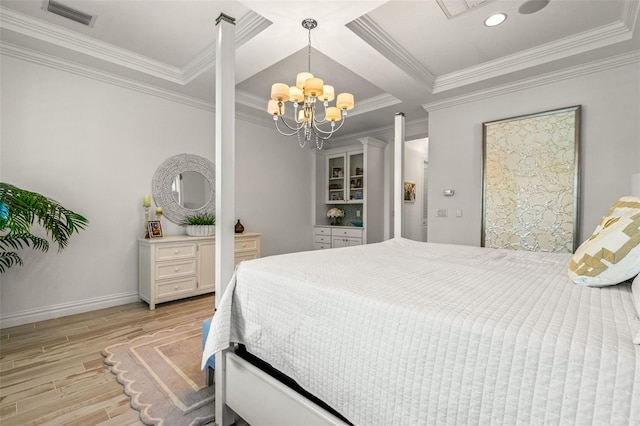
(304, 96)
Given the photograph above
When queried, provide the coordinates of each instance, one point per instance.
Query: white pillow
(612, 254)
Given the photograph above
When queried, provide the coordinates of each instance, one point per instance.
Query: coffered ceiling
(394, 56)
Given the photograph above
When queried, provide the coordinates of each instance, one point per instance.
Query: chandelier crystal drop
(307, 92)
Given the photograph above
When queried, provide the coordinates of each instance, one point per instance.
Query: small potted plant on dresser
(201, 225)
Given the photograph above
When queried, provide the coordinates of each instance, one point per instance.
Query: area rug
(161, 374)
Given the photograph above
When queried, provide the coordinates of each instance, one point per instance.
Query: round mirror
(184, 185)
(191, 190)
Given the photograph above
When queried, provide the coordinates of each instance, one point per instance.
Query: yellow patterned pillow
(612, 254)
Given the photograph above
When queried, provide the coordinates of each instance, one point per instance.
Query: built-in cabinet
(179, 266)
(346, 178)
(350, 177)
(325, 237)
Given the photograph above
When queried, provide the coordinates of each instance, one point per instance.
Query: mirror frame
(531, 181)
(164, 177)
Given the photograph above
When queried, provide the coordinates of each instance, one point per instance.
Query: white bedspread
(410, 333)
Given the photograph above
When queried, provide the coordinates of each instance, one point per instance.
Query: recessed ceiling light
(496, 19)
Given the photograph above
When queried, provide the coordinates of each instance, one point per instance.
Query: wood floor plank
(53, 372)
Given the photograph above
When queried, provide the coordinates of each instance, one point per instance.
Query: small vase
(239, 228)
(336, 221)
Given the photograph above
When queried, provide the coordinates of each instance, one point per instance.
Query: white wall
(94, 147)
(609, 150)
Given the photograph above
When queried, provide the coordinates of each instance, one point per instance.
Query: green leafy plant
(19, 210)
(201, 219)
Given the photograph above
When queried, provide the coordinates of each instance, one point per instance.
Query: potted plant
(201, 225)
(19, 210)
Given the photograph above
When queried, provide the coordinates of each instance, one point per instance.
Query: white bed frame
(259, 399)
(243, 391)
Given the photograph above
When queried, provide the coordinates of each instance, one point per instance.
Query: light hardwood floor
(52, 372)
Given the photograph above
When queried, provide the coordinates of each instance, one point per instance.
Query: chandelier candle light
(303, 96)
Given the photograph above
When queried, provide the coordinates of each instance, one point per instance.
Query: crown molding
(553, 77)
(22, 53)
(372, 34)
(250, 25)
(606, 35)
(414, 129)
(48, 33)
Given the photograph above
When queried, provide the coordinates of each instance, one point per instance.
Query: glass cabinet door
(356, 177)
(336, 172)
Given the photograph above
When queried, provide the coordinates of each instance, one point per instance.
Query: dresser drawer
(245, 256)
(322, 230)
(346, 232)
(166, 270)
(177, 286)
(322, 239)
(321, 246)
(242, 244)
(175, 251)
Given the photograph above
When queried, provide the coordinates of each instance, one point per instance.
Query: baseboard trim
(64, 309)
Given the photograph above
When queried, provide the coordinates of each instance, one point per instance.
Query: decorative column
(225, 185)
(398, 173)
(225, 152)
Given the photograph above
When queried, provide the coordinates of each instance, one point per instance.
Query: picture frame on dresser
(155, 228)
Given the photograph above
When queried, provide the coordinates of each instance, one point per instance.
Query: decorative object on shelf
(159, 214)
(154, 228)
(336, 215)
(307, 91)
(146, 203)
(239, 228)
(357, 223)
(19, 209)
(201, 225)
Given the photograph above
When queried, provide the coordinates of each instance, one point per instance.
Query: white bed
(410, 333)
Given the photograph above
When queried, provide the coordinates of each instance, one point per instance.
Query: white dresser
(179, 266)
(336, 236)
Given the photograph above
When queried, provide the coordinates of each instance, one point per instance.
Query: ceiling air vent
(453, 8)
(69, 13)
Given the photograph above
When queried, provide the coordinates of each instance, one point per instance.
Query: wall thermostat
(448, 192)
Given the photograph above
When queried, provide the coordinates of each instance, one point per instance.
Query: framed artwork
(155, 229)
(531, 181)
(409, 192)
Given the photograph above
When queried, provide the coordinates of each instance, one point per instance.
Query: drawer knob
(244, 245)
(176, 269)
(175, 288)
(176, 251)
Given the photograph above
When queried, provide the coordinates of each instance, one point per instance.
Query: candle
(158, 211)
(147, 200)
